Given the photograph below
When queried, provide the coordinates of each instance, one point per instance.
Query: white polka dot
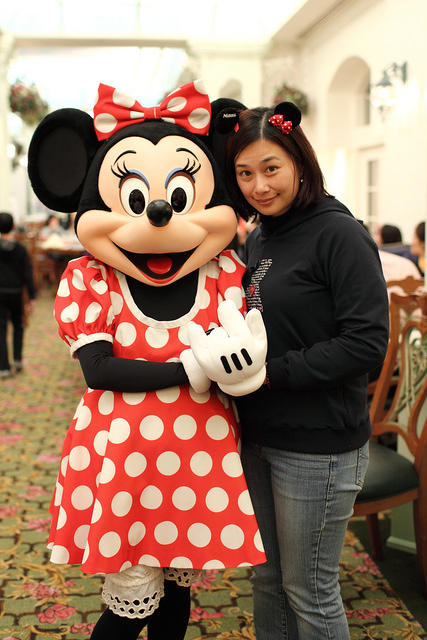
(212, 269)
(136, 533)
(97, 511)
(100, 286)
(70, 313)
(135, 464)
(119, 431)
(177, 103)
(157, 337)
(181, 562)
(126, 334)
(92, 312)
(200, 87)
(60, 555)
(199, 118)
(108, 471)
(86, 553)
(213, 564)
(245, 503)
(234, 294)
(168, 395)
(122, 99)
(184, 498)
(183, 335)
(151, 497)
(217, 427)
(258, 541)
(150, 561)
(100, 442)
(58, 494)
(232, 465)
(217, 499)
(84, 416)
(205, 299)
(136, 115)
(77, 280)
(106, 403)
(63, 289)
(151, 427)
(116, 301)
(227, 264)
(199, 534)
(110, 316)
(171, 120)
(185, 427)
(109, 544)
(125, 565)
(121, 504)
(166, 532)
(80, 536)
(201, 463)
(64, 465)
(168, 463)
(82, 497)
(105, 122)
(232, 536)
(62, 518)
(79, 458)
(200, 398)
(133, 398)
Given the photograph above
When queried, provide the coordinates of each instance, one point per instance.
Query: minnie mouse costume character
(150, 488)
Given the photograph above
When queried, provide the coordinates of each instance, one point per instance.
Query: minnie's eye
(180, 193)
(134, 196)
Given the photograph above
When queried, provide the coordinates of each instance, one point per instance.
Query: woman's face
(417, 246)
(267, 177)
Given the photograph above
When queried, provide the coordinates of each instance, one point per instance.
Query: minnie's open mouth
(158, 266)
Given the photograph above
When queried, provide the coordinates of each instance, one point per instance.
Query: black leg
(110, 626)
(170, 620)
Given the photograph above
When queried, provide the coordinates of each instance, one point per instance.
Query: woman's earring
(301, 179)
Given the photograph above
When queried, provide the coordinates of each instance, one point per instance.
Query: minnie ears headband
(285, 118)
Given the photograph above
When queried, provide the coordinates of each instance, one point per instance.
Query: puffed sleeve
(231, 270)
(82, 307)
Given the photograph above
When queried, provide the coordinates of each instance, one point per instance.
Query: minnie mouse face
(158, 228)
(148, 195)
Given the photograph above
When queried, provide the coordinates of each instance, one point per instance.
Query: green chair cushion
(388, 474)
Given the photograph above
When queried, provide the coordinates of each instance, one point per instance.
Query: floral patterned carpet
(40, 600)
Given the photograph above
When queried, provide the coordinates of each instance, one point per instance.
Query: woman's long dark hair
(253, 126)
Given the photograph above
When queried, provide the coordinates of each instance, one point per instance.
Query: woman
(315, 274)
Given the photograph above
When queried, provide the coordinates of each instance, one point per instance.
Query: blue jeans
(302, 503)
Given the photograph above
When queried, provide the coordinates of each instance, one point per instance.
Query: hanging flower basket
(25, 101)
(285, 93)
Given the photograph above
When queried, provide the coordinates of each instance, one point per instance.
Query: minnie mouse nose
(159, 213)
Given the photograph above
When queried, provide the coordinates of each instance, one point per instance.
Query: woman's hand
(233, 355)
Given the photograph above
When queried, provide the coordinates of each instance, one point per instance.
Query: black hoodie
(317, 278)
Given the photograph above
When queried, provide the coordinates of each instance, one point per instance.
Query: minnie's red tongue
(159, 264)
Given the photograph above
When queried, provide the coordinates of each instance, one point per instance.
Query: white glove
(196, 376)
(232, 355)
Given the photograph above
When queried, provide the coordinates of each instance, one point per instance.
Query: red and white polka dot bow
(187, 106)
(285, 126)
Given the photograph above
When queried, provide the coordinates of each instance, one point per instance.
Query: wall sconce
(383, 93)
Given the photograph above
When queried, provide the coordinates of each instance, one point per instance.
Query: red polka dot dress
(155, 477)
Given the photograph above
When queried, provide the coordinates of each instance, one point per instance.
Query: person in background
(16, 275)
(418, 246)
(306, 430)
(389, 238)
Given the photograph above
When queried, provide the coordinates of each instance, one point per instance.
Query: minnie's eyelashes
(121, 172)
(195, 166)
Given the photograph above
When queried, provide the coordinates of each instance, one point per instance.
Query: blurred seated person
(418, 246)
(397, 267)
(389, 238)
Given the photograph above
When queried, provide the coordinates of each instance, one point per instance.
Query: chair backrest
(407, 286)
(408, 348)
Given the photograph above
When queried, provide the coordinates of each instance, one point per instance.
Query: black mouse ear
(225, 114)
(290, 112)
(59, 156)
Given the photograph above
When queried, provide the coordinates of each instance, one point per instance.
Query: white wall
(376, 33)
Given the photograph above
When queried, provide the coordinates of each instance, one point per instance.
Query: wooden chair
(392, 479)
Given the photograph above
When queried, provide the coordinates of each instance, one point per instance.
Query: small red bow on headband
(285, 126)
(187, 106)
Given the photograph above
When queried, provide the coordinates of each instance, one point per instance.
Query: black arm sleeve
(104, 371)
